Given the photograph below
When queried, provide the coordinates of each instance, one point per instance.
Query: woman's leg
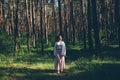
(57, 63)
(62, 63)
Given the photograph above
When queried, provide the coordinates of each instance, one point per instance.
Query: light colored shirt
(60, 48)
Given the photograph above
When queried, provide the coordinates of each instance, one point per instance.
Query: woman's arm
(64, 49)
(55, 49)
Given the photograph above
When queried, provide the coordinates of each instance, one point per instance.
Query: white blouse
(60, 47)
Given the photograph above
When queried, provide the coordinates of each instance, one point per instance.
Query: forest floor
(36, 67)
(109, 72)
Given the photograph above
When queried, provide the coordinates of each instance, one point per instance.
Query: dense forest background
(90, 29)
(36, 23)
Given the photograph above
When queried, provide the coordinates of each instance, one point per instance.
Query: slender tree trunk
(83, 22)
(90, 41)
(41, 28)
(27, 26)
(46, 21)
(72, 22)
(95, 25)
(117, 18)
(54, 17)
(60, 18)
(103, 20)
(65, 20)
(107, 22)
(1, 12)
(10, 21)
(32, 23)
(68, 22)
(16, 33)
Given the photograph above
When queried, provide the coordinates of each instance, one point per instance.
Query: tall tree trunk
(72, 22)
(54, 17)
(12, 17)
(32, 5)
(103, 20)
(65, 20)
(95, 25)
(46, 20)
(83, 22)
(60, 18)
(41, 28)
(1, 12)
(27, 26)
(90, 41)
(16, 33)
(68, 22)
(117, 18)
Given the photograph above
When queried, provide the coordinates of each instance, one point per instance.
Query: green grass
(93, 70)
(80, 65)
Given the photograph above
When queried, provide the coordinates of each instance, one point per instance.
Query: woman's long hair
(58, 38)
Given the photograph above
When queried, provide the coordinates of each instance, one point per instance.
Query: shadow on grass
(106, 72)
(105, 52)
(71, 55)
(29, 74)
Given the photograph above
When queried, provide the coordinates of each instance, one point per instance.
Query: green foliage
(23, 39)
(6, 42)
(33, 56)
(87, 65)
(40, 66)
(2, 58)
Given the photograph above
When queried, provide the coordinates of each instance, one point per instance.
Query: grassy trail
(30, 71)
(31, 66)
(45, 71)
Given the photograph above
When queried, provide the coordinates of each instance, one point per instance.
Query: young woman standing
(60, 53)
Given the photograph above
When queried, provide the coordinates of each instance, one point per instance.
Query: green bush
(6, 42)
(87, 65)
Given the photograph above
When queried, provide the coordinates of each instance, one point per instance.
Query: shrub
(87, 65)
(6, 42)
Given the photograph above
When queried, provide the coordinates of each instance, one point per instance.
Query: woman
(60, 53)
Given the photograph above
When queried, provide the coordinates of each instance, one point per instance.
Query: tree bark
(16, 32)
(65, 21)
(3, 11)
(60, 18)
(83, 22)
(90, 41)
(72, 22)
(3, 14)
(41, 28)
(54, 17)
(117, 18)
(33, 24)
(46, 21)
(27, 26)
(95, 25)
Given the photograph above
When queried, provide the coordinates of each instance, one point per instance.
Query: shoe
(61, 70)
(58, 71)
